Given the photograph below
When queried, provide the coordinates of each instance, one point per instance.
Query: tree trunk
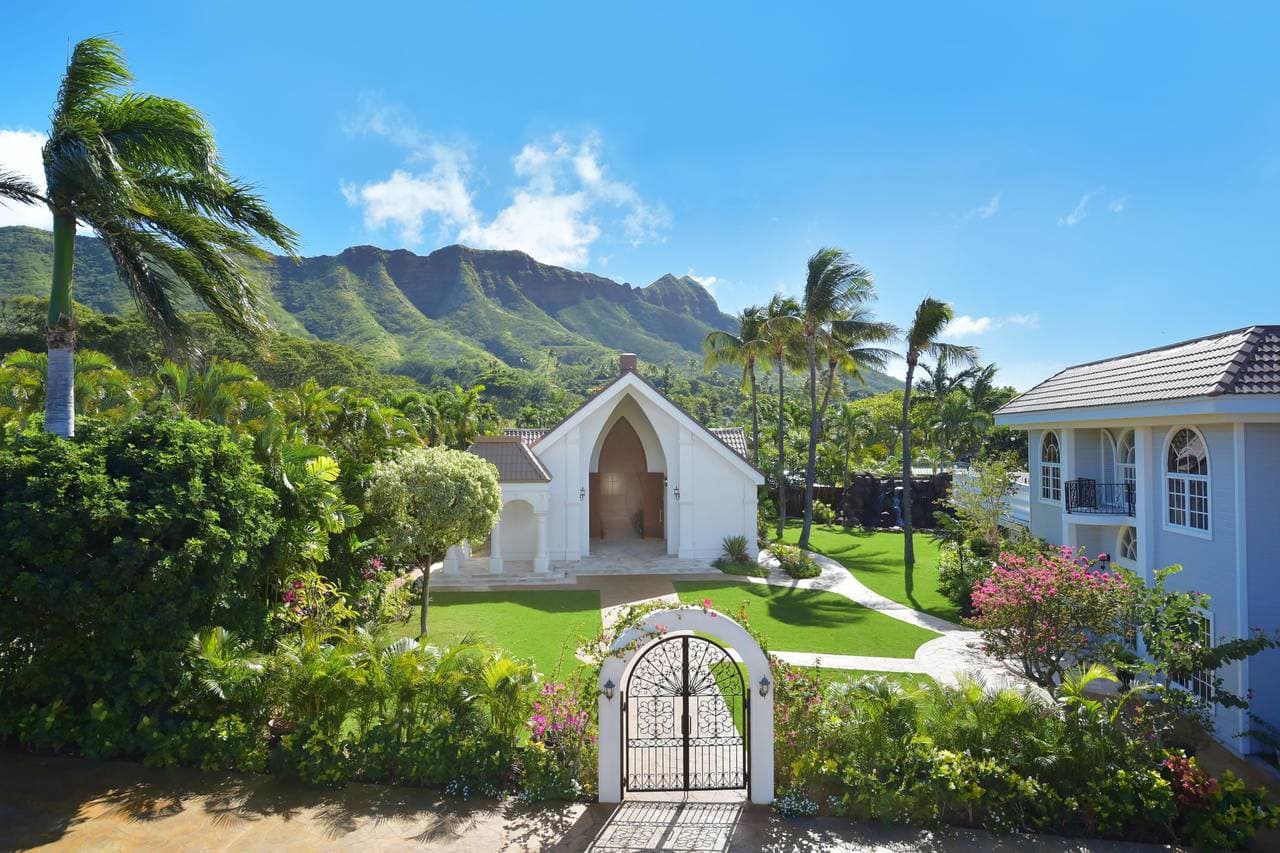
(426, 596)
(755, 416)
(908, 551)
(811, 469)
(782, 456)
(60, 340)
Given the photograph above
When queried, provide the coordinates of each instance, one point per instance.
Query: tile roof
(1244, 361)
(529, 436)
(512, 457)
(733, 437)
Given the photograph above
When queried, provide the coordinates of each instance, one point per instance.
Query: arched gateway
(679, 711)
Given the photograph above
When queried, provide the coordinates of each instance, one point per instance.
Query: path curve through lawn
(956, 653)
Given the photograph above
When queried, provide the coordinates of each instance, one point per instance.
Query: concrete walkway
(956, 653)
(76, 804)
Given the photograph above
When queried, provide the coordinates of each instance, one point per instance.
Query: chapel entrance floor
(60, 803)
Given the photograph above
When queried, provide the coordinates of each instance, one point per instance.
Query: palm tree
(782, 332)
(744, 349)
(941, 381)
(143, 172)
(850, 424)
(836, 324)
(931, 319)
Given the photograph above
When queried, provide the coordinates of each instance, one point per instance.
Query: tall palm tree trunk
(755, 415)
(60, 338)
(908, 549)
(811, 468)
(782, 460)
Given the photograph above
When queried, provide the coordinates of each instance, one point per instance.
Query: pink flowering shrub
(1049, 612)
(562, 745)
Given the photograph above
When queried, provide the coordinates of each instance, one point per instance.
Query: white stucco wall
(717, 496)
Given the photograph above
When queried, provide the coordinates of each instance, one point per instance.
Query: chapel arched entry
(627, 498)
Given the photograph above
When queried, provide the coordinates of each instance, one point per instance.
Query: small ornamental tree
(428, 499)
(1047, 612)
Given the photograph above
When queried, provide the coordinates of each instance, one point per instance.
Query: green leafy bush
(1007, 761)
(959, 569)
(794, 561)
(115, 547)
(823, 513)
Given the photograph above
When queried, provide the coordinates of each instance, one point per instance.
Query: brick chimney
(626, 363)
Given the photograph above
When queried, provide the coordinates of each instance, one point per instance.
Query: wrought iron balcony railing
(1084, 495)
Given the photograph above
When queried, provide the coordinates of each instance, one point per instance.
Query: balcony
(1090, 496)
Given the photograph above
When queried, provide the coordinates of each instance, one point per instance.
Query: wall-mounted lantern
(677, 491)
(764, 685)
(582, 493)
(608, 689)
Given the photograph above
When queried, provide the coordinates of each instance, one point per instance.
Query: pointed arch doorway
(627, 497)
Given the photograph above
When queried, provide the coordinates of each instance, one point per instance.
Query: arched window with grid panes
(1187, 481)
(1050, 468)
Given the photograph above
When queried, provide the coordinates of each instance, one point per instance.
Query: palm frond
(95, 69)
(17, 188)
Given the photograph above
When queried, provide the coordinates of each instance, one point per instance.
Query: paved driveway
(75, 804)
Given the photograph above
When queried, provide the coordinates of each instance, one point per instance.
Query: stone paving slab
(59, 803)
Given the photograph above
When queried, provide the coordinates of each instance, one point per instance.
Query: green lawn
(535, 624)
(909, 680)
(806, 620)
(875, 558)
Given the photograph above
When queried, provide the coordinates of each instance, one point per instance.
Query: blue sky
(1077, 179)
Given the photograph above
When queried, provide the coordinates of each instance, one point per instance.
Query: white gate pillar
(624, 651)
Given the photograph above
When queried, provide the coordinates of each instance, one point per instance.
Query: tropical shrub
(1005, 761)
(736, 560)
(795, 562)
(823, 513)
(426, 500)
(734, 549)
(959, 571)
(1049, 611)
(116, 547)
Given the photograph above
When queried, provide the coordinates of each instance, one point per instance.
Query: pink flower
(376, 564)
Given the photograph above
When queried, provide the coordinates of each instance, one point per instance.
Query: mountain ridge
(452, 314)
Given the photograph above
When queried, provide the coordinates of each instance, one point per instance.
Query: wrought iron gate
(685, 719)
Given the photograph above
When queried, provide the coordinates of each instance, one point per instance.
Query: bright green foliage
(114, 549)
(872, 749)
(810, 620)
(429, 499)
(795, 562)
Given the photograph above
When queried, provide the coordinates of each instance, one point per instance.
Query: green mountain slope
(456, 313)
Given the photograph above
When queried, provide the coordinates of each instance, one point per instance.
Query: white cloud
(1079, 213)
(986, 211)
(1118, 205)
(564, 200)
(20, 152)
(707, 281)
(965, 326)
